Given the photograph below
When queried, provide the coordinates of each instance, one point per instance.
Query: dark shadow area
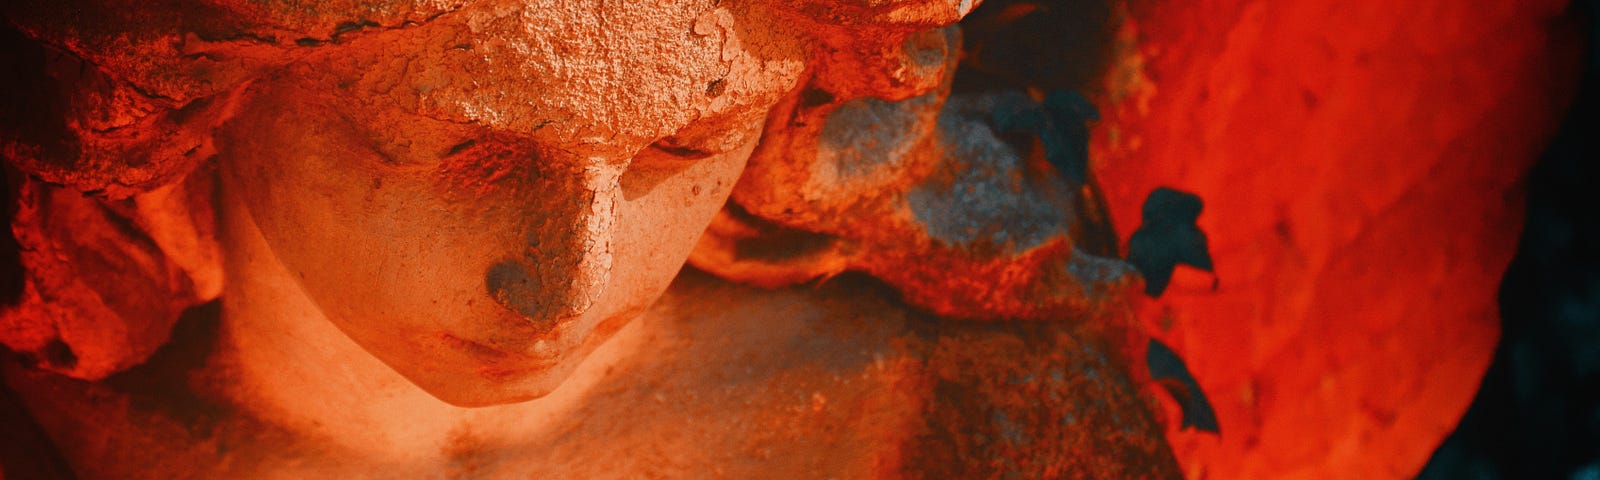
(1049, 44)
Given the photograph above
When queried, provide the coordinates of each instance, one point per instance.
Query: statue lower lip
(502, 360)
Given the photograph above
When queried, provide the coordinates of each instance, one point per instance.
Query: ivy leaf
(1167, 368)
(1168, 236)
(1060, 124)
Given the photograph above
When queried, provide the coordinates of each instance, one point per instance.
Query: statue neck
(290, 366)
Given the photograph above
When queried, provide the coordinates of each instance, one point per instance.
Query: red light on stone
(1359, 163)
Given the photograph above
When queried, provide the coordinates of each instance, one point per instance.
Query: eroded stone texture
(922, 192)
(105, 280)
(140, 91)
(442, 229)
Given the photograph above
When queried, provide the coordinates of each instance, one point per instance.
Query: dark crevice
(1002, 41)
(12, 275)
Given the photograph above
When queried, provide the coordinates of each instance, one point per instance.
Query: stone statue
(445, 239)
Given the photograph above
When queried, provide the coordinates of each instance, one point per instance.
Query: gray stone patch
(978, 195)
(867, 135)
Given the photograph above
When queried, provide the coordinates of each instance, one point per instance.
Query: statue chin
(468, 373)
(470, 382)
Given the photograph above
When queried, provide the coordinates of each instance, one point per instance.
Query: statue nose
(567, 262)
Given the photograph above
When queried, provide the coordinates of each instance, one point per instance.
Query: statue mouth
(495, 363)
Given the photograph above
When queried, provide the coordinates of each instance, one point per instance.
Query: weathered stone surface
(446, 237)
(104, 280)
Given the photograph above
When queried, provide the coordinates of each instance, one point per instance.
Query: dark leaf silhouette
(1168, 369)
(1166, 237)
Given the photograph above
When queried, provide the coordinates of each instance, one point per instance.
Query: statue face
(480, 202)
